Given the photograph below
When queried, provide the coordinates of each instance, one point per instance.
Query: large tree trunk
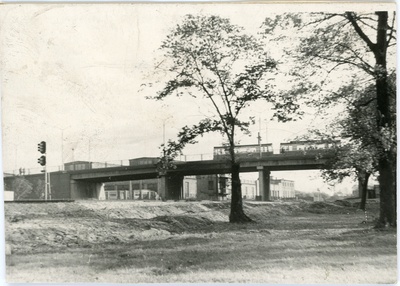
(363, 188)
(386, 179)
(384, 121)
(237, 214)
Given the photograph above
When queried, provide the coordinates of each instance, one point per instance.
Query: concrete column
(162, 186)
(261, 182)
(130, 190)
(101, 194)
(265, 183)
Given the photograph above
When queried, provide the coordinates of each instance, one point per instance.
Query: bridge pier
(100, 191)
(170, 187)
(264, 177)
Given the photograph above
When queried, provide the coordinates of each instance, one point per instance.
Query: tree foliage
(333, 45)
(206, 52)
(213, 59)
(359, 45)
(358, 157)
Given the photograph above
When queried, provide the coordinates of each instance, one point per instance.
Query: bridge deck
(277, 162)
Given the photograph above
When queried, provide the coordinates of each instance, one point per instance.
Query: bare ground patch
(139, 242)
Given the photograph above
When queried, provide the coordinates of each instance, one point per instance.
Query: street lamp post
(62, 144)
(164, 120)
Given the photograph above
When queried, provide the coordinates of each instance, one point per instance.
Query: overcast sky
(72, 76)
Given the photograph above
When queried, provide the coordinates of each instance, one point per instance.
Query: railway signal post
(42, 162)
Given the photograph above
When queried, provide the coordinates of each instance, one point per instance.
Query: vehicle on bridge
(86, 165)
(143, 161)
(308, 147)
(244, 151)
(290, 148)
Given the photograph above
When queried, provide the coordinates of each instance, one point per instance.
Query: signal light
(42, 160)
(42, 147)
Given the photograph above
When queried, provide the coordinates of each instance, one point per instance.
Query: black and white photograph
(184, 142)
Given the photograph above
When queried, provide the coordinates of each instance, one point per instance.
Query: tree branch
(392, 30)
(360, 32)
(210, 96)
(367, 65)
(225, 94)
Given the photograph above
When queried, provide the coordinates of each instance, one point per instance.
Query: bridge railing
(31, 171)
(98, 165)
(93, 165)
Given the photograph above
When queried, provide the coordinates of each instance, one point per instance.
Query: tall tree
(336, 44)
(213, 59)
(359, 128)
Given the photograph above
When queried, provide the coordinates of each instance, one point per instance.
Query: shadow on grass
(236, 251)
(180, 255)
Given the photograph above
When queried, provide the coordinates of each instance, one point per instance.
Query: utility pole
(164, 120)
(62, 149)
(259, 136)
(62, 144)
(89, 149)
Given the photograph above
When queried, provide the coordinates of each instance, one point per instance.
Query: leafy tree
(361, 125)
(351, 160)
(335, 44)
(213, 59)
(359, 155)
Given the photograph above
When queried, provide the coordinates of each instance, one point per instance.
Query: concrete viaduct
(88, 183)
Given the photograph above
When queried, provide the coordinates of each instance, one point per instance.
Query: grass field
(135, 242)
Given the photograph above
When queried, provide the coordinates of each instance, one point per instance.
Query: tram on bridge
(244, 151)
(290, 148)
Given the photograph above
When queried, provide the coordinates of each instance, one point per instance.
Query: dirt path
(91, 241)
